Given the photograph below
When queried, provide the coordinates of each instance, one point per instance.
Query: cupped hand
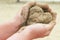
(23, 12)
(39, 29)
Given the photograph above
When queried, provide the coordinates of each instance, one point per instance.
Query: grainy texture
(37, 15)
(7, 11)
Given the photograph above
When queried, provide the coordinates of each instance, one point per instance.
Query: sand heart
(37, 15)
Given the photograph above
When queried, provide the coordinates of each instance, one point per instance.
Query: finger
(25, 9)
(54, 15)
(44, 6)
(50, 26)
(53, 22)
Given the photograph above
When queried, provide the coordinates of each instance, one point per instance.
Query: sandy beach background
(9, 8)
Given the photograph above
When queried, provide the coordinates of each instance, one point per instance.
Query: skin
(9, 29)
(35, 30)
(32, 32)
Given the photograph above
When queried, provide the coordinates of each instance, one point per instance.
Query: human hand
(23, 12)
(43, 29)
(33, 31)
(36, 30)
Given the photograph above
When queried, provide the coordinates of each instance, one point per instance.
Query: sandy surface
(9, 10)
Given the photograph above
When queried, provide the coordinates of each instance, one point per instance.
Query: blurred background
(9, 8)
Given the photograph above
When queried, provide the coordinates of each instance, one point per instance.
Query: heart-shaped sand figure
(37, 15)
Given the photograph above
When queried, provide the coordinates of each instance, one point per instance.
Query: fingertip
(50, 26)
(53, 12)
(52, 23)
(54, 15)
(44, 6)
